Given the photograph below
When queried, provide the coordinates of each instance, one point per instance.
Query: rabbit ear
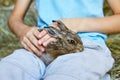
(61, 25)
(52, 31)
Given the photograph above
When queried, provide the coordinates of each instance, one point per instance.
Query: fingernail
(42, 49)
(39, 42)
(44, 44)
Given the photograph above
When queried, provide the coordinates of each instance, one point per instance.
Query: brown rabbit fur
(67, 42)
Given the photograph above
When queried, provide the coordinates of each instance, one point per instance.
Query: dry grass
(8, 42)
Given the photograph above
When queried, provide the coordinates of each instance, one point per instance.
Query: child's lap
(92, 64)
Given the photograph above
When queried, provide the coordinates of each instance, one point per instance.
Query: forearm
(16, 26)
(108, 25)
(16, 19)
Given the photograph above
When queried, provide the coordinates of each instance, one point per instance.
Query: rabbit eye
(71, 41)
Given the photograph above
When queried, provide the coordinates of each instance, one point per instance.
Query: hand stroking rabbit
(67, 42)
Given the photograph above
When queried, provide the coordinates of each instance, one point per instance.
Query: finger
(43, 39)
(42, 34)
(42, 49)
(26, 47)
(36, 33)
(32, 47)
(34, 41)
(48, 41)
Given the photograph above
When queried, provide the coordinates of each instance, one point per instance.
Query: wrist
(78, 24)
(71, 23)
(21, 31)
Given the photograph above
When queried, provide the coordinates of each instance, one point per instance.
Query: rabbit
(67, 42)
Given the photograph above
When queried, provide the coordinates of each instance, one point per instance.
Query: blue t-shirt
(49, 10)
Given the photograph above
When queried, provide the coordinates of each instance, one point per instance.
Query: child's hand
(29, 40)
(45, 38)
